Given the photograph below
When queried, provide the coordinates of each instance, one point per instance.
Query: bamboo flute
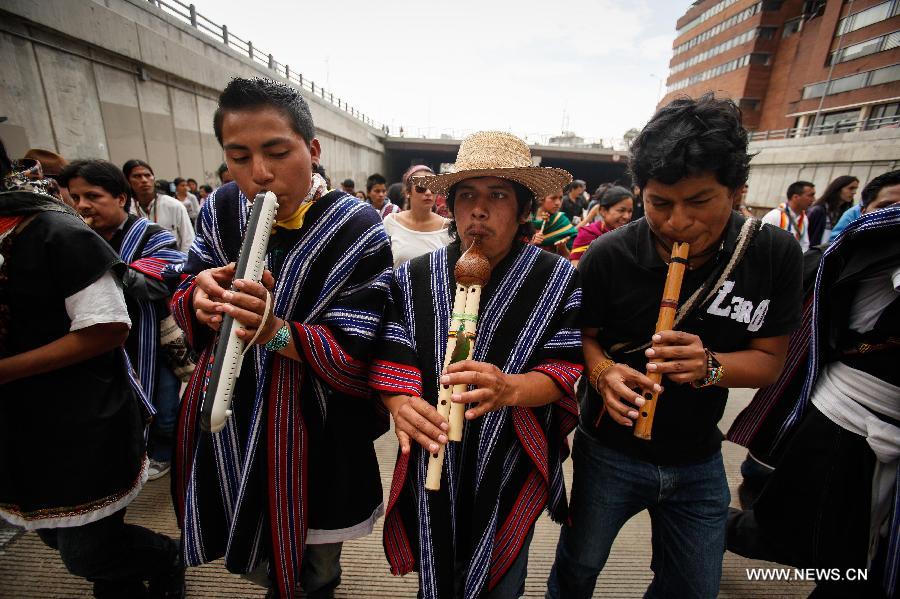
(472, 272)
(667, 310)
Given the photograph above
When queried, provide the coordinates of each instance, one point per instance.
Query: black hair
(831, 197)
(223, 168)
(525, 203)
(373, 180)
(207, 188)
(689, 137)
(874, 187)
(796, 188)
(395, 194)
(101, 173)
(575, 183)
(178, 180)
(348, 183)
(613, 195)
(133, 164)
(194, 181)
(253, 94)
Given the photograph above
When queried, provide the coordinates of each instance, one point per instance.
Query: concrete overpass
(120, 79)
(594, 165)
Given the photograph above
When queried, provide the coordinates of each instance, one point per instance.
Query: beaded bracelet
(714, 372)
(597, 371)
(281, 339)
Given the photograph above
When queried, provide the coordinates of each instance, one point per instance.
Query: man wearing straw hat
(470, 538)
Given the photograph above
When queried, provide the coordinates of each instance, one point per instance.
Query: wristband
(714, 372)
(597, 371)
(281, 339)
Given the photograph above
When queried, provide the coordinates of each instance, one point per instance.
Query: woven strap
(711, 285)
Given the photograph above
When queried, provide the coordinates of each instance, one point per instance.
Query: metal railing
(845, 126)
(188, 14)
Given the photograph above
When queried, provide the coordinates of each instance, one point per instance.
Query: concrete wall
(120, 79)
(819, 159)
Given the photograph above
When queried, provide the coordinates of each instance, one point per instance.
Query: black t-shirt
(622, 282)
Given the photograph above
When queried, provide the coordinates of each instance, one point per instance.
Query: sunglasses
(420, 188)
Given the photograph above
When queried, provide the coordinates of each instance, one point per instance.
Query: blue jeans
(162, 430)
(688, 508)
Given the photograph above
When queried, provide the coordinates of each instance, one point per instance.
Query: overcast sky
(589, 66)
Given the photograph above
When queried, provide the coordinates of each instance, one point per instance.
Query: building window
(869, 16)
(748, 104)
(791, 27)
(885, 75)
(856, 81)
(838, 122)
(760, 58)
(883, 115)
(767, 33)
(772, 5)
(717, 29)
(727, 67)
(876, 44)
(706, 14)
(743, 38)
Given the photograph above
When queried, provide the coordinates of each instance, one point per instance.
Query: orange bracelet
(598, 370)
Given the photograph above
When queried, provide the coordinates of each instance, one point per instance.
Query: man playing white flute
(293, 474)
(740, 298)
(470, 538)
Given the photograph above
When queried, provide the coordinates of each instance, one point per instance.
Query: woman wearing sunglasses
(418, 230)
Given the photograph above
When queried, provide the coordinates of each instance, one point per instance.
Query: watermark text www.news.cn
(808, 574)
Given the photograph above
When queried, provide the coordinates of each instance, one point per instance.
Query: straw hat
(498, 154)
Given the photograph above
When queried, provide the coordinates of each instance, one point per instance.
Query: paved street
(29, 569)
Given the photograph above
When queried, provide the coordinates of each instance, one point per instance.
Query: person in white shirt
(166, 211)
(791, 215)
(419, 230)
(184, 195)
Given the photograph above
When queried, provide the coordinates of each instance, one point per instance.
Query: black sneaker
(170, 585)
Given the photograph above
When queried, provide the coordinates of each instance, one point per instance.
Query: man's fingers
(467, 377)
(428, 411)
(249, 320)
(268, 280)
(617, 410)
(251, 288)
(247, 301)
(674, 338)
(479, 410)
(670, 352)
(474, 396)
(469, 365)
(403, 439)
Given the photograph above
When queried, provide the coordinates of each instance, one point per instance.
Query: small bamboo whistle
(472, 272)
(667, 310)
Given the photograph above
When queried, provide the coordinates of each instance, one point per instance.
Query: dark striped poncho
(297, 452)
(508, 467)
(147, 248)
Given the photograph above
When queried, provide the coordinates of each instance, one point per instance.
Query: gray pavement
(29, 569)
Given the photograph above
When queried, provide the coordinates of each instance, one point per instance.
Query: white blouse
(407, 244)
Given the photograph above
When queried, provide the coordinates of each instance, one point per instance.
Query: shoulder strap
(711, 285)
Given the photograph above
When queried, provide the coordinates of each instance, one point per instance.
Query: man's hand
(616, 386)
(537, 238)
(248, 305)
(417, 419)
(210, 286)
(685, 358)
(493, 387)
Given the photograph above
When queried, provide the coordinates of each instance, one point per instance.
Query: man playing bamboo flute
(293, 474)
(471, 538)
(740, 297)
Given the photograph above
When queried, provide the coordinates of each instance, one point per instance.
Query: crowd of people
(114, 286)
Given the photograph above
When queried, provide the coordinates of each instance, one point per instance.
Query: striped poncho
(296, 456)
(148, 249)
(508, 468)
